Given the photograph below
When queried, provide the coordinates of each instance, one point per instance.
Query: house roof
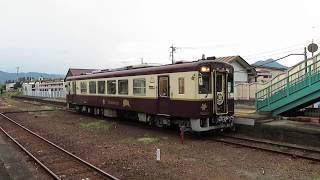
(77, 72)
(230, 59)
(268, 67)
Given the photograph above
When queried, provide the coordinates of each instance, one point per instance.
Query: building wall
(240, 73)
(240, 76)
(45, 89)
(9, 87)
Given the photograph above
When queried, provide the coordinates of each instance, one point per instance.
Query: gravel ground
(127, 150)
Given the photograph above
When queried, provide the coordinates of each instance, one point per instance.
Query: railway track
(57, 162)
(270, 146)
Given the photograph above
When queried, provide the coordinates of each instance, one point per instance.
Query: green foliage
(100, 124)
(17, 85)
(2, 88)
(148, 140)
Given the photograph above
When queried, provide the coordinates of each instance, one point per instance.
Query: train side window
(112, 86)
(83, 87)
(123, 87)
(181, 85)
(92, 87)
(204, 83)
(139, 87)
(101, 87)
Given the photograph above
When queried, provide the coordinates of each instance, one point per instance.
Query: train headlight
(205, 69)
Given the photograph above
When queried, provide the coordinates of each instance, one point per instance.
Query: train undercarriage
(189, 124)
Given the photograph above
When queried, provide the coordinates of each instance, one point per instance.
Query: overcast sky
(53, 35)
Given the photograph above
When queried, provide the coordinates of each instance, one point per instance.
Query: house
(267, 73)
(243, 72)
(10, 87)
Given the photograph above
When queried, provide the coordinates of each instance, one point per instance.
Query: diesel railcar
(195, 95)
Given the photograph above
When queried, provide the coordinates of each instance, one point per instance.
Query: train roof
(168, 68)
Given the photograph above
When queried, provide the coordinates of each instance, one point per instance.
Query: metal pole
(305, 60)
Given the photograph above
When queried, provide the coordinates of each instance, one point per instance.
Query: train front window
(219, 83)
(204, 83)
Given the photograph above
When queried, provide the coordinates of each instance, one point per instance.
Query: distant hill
(12, 76)
(270, 63)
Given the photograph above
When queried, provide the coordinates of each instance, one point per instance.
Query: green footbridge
(294, 92)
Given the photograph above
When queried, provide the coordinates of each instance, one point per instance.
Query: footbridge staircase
(295, 91)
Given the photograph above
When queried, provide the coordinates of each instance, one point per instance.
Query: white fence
(247, 91)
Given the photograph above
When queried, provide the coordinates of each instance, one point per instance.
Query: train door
(220, 92)
(163, 95)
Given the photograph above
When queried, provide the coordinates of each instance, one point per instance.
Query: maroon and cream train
(196, 95)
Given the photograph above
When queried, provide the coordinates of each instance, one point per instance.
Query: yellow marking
(204, 106)
(125, 103)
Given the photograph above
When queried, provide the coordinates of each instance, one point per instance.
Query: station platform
(301, 131)
(11, 166)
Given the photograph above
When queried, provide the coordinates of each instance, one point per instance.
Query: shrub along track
(59, 163)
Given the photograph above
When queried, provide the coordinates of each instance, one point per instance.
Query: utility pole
(141, 60)
(173, 50)
(17, 73)
(305, 60)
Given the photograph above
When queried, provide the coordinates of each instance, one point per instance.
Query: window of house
(112, 86)
(181, 85)
(83, 87)
(92, 87)
(123, 86)
(139, 87)
(101, 87)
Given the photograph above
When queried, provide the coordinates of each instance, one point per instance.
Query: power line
(280, 49)
(304, 54)
(283, 52)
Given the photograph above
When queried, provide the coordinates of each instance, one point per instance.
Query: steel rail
(61, 149)
(274, 144)
(266, 149)
(25, 111)
(31, 155)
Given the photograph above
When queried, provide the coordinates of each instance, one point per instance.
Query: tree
(2, 88)
(17, 85)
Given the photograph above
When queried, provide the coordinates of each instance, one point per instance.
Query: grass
(148, 140)
(98, 124)
(9, 94)
(142, 140)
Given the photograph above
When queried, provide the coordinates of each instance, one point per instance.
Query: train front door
(163, 95)
(220, 92)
